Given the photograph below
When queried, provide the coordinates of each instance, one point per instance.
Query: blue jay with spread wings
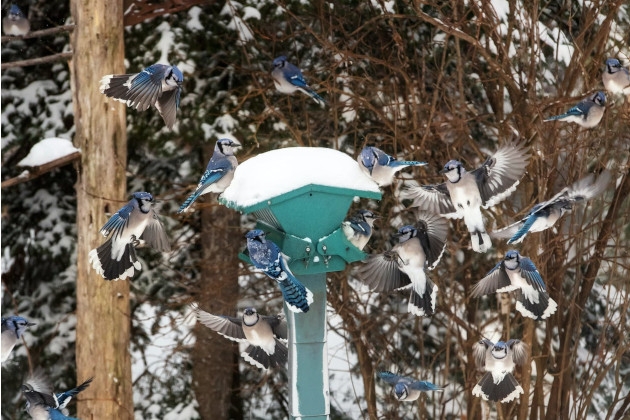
(266, 335)
(518, 273)
(42, 403)
(546, 214)
(116, 258)
(380, 166)
(419, 247)
(219, 172)
(406, 388)
(498, 361)
(159, 85)
(465, 193)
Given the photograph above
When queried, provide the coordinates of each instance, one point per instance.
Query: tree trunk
(103, 323)
(215, 376)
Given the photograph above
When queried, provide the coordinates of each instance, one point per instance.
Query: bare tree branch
(140, 10)
(38, 34)
(35, 61)
(38, 171)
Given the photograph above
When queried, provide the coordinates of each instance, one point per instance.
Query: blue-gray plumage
(266, 256)
(219, 172)
(266, 335)
(587, 113)
(288, 79)
(43, 404)
(381, 166)
(518, 273)
(464, 193)
(498, 361)
(616, 78)
(419, 247)
(406, 388)
(358, 228)
(545, 215)
(15, 23)
(116, 258)
(159, 85)
(12, 329)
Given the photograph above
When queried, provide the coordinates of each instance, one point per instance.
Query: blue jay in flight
(12, 329)
(358, 228)
(419, 247)
(546, 214)
(266, 335)
(159, 85)
(498, 361)
(15, 23)
(219, 172)
(406, 388)
(382, 167)
(616, 78)
(518, 273)
(587, 113)
(42, 403)
(464, 193)
(116, 258)
(266, 256)
(288, 79)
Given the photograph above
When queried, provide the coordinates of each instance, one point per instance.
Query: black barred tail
(540, 310)
(481, 241)
(189, 201)
(297, 297)
(117, 86)
(257, 357)
(111, 269)
(504, 391)
(422, 303)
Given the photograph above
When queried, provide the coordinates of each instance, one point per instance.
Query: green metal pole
(308, 355)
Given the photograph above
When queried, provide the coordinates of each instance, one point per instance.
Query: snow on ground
(48, 150)
(279, 171)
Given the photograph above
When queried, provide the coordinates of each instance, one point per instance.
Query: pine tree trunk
(103, 323)
(214, 357)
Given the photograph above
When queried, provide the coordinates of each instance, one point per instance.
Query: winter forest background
(428, 81)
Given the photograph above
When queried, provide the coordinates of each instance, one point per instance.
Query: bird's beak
(30, 324)
(443, 171)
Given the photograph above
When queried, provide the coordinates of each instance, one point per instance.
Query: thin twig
(36, 61)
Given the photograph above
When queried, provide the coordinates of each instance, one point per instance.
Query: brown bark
(103, 323)
(215, 358)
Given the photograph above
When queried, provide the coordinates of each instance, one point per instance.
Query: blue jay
(381, 166)
(15, 23)
(266, 335)
(42, 403)
(159, 85)
(544, 215)
(587, 113)
(419, 247)
(12, 329)
(498, 361)
(358, 228)
(406, 388)
(116, 258)
(616, 78)
(266, 256)
(518, 273)
(288, 79)
(219, 172)
(464, 193)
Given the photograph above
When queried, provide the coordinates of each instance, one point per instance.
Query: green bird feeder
(300, 196)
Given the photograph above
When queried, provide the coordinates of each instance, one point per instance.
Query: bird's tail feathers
(405, 163)
(310, 92)
(256, 356)
(540, 310)
(297, 297)
(189, 201)
(111, 269)
(422, 302)
(504, 391)
(481, 241)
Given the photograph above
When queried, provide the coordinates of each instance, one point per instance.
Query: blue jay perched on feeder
(406, 388)
(288, 79)
(616, 78)
(419, 247)
(358, 228)
(116, 258)
(382, 167)
(42, 403)
(545, 215)
(266, 256)
(464, 193)
(587, 113)
(498, 361)
(219, 172)
(12, 329)
(266, 335)
(159, 85)
(15, 23)
(518, 273)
